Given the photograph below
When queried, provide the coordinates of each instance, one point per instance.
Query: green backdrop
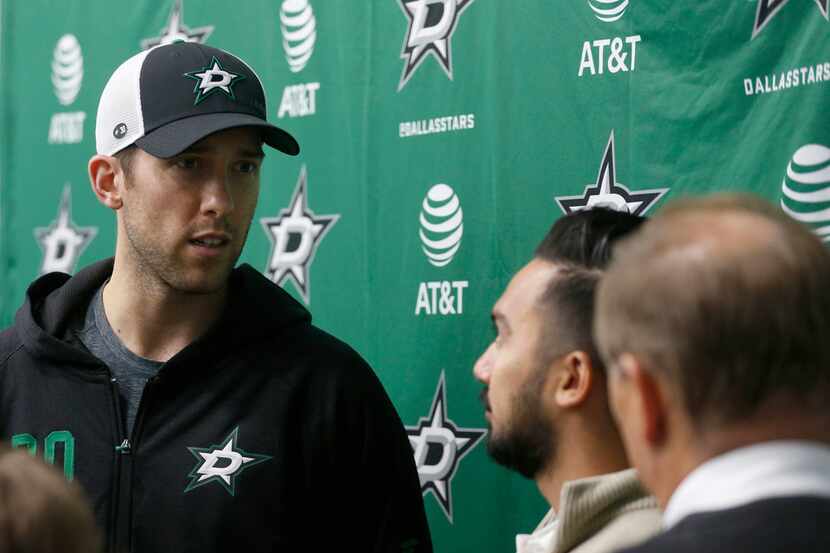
(440, 139)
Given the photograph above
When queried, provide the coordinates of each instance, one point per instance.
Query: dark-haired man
(194, 401)
(714, 322)
(545, 394)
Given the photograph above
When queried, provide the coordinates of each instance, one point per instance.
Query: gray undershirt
(130, 370)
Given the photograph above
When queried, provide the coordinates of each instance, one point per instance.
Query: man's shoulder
(306, 341)
(629, 528)
(793, 524)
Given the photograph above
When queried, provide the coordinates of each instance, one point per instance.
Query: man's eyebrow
(257, 153)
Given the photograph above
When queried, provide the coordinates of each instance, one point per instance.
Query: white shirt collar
(543, 538)
(747, 474)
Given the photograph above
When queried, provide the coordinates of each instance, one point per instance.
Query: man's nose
(217, 198)
(481, 369)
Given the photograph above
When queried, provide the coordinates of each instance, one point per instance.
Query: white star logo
(176, 31)
(438, 446)
(221, 464)
(767, 9)
(295, 235)
(62, 242)
(431, 25)
(212, 79)
(607, 192)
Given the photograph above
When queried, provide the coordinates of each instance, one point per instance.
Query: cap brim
(175, 137)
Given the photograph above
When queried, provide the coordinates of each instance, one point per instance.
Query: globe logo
(441, 225)
(67, 69)
(608, 10)
(298, 33)
(806, 188)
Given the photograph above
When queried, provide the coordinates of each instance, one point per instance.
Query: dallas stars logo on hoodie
(222, 463)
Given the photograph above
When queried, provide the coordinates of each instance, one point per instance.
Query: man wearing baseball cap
(194, 401)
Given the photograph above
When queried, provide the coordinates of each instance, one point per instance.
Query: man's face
(186, 218)
(514, 371)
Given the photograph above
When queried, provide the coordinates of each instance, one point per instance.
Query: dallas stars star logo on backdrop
(295, 235)
(431, 24)
(221, 463)
(214, 78)
(767, 9)
(438, 446)
(176, 31)
(63, 242)
(607, 192)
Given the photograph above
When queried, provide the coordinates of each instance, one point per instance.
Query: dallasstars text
(807, 75)
(449, 123)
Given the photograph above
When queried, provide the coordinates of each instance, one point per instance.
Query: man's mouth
(213, 240)
(485, 400)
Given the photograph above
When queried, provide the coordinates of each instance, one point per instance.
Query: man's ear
(576, 373)
(649, 399)
(107, 179)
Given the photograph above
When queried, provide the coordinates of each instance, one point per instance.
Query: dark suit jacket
(780, 525)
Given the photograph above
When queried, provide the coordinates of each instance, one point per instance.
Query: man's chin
(516, 455)
(203, 283)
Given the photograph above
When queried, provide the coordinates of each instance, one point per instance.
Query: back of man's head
(580, 245)
(728, 299)
(585, 238)
(40, 512)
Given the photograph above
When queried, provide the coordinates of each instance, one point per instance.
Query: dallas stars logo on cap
(221, 464)
(214, 78)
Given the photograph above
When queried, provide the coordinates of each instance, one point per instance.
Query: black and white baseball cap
(167, 98)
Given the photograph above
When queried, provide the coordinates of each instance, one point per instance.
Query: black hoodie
(265, 434)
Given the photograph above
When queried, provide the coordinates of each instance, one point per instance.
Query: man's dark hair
(585, 239)
(581, 245)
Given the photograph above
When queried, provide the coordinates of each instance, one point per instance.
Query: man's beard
(529, 442)
(160, 265)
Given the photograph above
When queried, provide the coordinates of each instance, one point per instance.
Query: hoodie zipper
(125, 447)
(120, 497)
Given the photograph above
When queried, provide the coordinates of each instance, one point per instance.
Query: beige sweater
(600, 514)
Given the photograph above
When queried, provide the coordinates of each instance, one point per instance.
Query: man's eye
(187, 163)
(247, 167)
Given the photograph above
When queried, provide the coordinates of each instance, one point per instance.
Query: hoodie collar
(56, 303)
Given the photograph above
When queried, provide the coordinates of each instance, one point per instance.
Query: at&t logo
(67, 77)
(608, 10)
(442, 227)
(609, 55)
(299, 33)
(67, 69)
(442, 224)
(805, 191)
